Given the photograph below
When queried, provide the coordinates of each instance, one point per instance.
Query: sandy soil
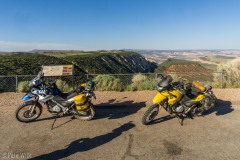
(117, 132)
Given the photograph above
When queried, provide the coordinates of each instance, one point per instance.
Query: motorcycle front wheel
(86, 115)
(28, 112)
(150, 114)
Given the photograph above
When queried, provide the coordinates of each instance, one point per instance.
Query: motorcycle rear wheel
(86, 115)
(150, 114)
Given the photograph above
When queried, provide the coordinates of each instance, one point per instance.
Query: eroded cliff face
(133, 63)
(136, 63)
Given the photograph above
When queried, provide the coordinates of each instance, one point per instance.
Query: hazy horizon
(170, 50)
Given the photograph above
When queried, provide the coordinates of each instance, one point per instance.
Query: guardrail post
(221, 79)
(223, 76)
(16, 83)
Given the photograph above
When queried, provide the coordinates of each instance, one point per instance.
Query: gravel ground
(117, 133)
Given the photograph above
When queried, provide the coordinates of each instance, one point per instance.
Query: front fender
(158, 98)
(28, 96)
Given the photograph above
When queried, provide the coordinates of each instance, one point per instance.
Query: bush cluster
(23, 86)
(108, 83)
(63, 86)
(111, 83)
(230, 76)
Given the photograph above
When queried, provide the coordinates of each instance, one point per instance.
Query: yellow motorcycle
(178, 101)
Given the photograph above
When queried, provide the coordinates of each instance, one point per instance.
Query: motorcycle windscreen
(174, 96)
(164, 83)
(158, 98)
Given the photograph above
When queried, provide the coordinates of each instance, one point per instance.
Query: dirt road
(117, 132)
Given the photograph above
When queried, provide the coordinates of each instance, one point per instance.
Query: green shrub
(63, 86)
(148, 85)
(108, 83)
(23, 86)
(141, 82)
(138, 78)
(136, 82)
(131, 87)
(231, 74)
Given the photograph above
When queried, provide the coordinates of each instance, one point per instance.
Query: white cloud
(8, 46)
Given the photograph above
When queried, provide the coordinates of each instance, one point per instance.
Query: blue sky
(119, 24)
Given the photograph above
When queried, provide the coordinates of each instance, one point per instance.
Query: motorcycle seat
(188, 100)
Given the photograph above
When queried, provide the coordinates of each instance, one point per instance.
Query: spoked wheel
(150, 114)
(28, 112)
(85, 115)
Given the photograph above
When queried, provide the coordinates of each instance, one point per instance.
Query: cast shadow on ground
(85, 144)
(51, 118)
(222, 107)
(162, 119)
(114, 109)
(54, 119)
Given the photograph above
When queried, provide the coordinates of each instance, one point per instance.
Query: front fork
(32, 108)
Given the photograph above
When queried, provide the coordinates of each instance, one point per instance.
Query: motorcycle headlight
(159, 88)
(208, 87)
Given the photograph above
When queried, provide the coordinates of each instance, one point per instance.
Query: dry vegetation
(231, 73)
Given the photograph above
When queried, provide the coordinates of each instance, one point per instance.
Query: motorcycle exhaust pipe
(189, 109)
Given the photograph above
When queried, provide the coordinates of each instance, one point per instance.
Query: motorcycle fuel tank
(173, 97)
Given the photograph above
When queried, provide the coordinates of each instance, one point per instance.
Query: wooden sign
(58, 70)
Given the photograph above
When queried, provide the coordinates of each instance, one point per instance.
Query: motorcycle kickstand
(55, 119)
(180, 120)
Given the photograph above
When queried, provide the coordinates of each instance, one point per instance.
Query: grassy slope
(26, 63)
(209, 66)
(168, 63)
(187, 69)
(90, 62)
(211, 62)
(217, 58)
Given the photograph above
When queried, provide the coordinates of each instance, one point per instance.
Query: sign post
(58, 70)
